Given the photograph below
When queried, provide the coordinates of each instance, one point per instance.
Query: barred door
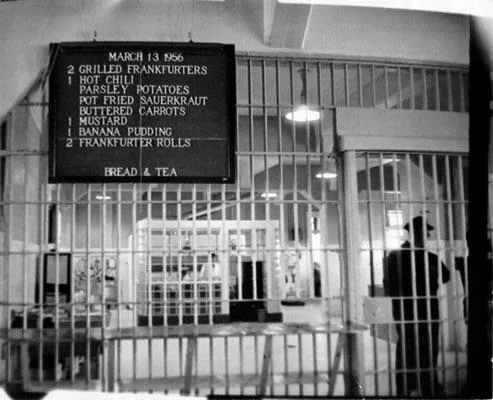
(230, 288)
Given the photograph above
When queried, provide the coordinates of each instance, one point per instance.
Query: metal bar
(427, 271)
(148, 281)
(265, 365)
(209, 231)
(401, 325)
(315, 364)
(334, 371)
(286, 363)
(225, 279)
(266, 257)
(463, 226)
(180, 352)
(57, 290)
(411, 76)
(369, 216)
(180, 260)
(211, 363)
(111, 367)
(164, 257)
(386, 80)
(436, 197)
(360, 86)
(399, 88)
(256, 351)
(43, 239)
(226, 364)
(117, 357)
(354, 357)
(135, 262)
(451, 234)
(196, 363)
(191, 351)
(462, 93)
(291, 96)
(307, 94)
(332, 88)
(194, 259)
(278, 110)
(33, 104)
(324, 281)
(343, 259)
(104, 344)
(346, 86)
(242, 360)
(425, 90)
(372, 267)
(414, 295)
(254, 244)
(72, 286)
(300, 361)
(253, 231)
(383, 206)
(450, 106)
(165, 354)
(24, 249)
(373, 87)
(9, 131)
(309, 215)
(238, 238)
(296, 228)
(89, 299)
(309, 233)
(437, 90)
(286, 56)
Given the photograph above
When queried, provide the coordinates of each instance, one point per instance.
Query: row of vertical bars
(47, 198)
(291, 364)
(440, 196)
(275, 83)
(68, 197)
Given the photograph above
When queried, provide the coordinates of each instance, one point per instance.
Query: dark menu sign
(142, 112)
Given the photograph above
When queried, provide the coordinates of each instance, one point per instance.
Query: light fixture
(388, 160)
(326, 175)
(393, 192)
(268, 195)
(101, 197)
(302, 113)
(395, 218)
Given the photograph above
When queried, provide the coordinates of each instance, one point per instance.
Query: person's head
(214, 257)
(417, 227)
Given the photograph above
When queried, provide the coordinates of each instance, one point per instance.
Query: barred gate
(102, 285)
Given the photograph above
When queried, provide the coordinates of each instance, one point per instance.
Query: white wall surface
(394, 130)
(387, 33)
(27, 27)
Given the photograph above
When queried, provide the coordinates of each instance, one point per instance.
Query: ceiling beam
(288, 24)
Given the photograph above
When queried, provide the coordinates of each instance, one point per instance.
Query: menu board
(142, 112)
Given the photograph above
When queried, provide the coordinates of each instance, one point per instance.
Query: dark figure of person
(416, 333)
(317, 282)
(461, 267)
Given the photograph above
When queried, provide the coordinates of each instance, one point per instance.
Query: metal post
(353, 349)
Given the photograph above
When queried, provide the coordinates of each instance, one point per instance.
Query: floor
(300, 363)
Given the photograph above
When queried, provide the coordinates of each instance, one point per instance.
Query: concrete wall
(372, 129)
(380, 32)
(27, 28)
